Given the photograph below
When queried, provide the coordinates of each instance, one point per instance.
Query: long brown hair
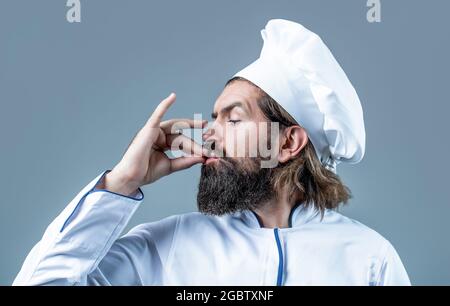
(304, 176)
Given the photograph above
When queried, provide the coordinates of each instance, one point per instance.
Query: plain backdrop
(72, 96)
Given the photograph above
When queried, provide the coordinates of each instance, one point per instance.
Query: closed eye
(234, 121)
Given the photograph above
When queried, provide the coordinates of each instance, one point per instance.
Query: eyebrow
(227, 109)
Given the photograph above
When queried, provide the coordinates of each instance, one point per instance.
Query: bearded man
(264, 219)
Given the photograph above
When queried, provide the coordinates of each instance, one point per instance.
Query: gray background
(73, 95)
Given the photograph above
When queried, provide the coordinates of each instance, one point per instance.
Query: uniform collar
(300, 215)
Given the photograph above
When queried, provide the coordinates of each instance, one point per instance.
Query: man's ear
(292, 141)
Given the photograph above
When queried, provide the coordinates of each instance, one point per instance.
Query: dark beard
(227, 186)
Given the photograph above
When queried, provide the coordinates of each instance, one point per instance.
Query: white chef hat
(298, 71)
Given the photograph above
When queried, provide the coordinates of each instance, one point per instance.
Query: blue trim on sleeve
(280, 256)
(93, 190)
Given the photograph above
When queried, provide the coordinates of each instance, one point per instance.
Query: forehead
(238, 91)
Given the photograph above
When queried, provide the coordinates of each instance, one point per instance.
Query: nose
(209, 138)
(207, 134)
(212, 137)
(212, 133)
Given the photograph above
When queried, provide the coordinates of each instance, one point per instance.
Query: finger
(161, 109)
(173, 125)
(185, 162)
(185, 144)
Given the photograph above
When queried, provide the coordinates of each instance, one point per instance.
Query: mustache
(233, 167)
(225, 162)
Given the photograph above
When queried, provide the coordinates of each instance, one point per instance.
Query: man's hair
(303, 176)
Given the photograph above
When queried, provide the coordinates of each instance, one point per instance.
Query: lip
(210, 160)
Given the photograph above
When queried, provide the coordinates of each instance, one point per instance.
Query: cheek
(242, 140)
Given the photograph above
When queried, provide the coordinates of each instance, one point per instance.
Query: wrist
(119, 184)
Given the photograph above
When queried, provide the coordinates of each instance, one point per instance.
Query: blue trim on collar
(280, 258)
(257, 219)
(291, 214)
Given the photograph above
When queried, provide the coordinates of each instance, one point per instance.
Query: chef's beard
(230, 185)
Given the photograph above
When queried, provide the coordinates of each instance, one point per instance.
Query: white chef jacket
(82, 246)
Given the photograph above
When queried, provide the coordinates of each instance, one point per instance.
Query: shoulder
(363, 242)
(347, 225)
(189, 223)
(354, 233)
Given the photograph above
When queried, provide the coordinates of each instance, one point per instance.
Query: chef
(256, 225)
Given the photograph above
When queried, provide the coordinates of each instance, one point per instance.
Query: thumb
(184, 162)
